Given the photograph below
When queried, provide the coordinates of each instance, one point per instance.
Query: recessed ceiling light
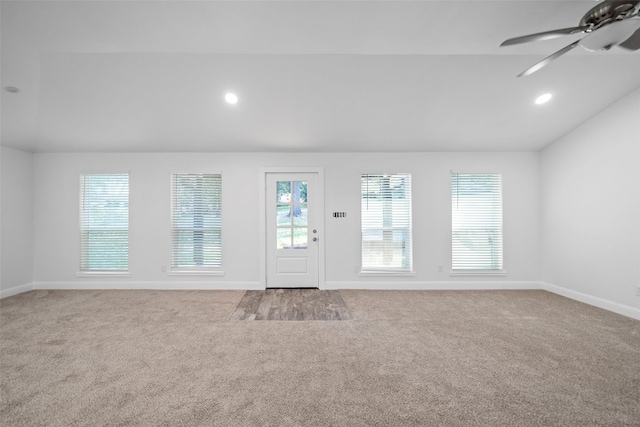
(231, 98)
(543, 98)
(11, 89)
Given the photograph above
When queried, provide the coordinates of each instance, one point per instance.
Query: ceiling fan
(608, 24)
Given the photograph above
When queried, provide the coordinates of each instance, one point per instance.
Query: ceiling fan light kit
(608, 24)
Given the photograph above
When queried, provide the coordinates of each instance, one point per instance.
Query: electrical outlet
(638, 291)
(440, 268)
(163, 268)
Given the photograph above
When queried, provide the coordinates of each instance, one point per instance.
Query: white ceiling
(312, 76)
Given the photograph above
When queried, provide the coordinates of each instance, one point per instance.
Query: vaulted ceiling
(311, 76)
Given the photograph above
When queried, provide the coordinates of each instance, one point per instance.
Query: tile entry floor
(291, 304)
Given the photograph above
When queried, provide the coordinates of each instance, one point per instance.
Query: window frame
(478, 270)
(205, 270)
(88, 272)
(366, 270)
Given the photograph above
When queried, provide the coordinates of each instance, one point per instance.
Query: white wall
(57, 213)
(590, 198)
(16, 272)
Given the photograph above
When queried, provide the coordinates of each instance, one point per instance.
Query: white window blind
(196, 221)
(386, 222)
(476, 211)
(104, 222)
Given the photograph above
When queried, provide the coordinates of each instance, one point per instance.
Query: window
(196, 232)
(386, 222)
(476, 212)
(104, 222)
(292, 215)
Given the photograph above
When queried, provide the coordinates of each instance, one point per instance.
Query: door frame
(262, 218)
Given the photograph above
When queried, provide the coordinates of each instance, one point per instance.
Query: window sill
(387, 274)
(494, 273)
(195, 273)
(103, 274)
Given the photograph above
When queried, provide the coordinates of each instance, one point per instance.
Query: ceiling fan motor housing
(609, 11)
(611, 20)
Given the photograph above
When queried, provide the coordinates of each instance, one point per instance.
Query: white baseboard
(433, 285)
(615, 307)
(4, 293)
(151, 285)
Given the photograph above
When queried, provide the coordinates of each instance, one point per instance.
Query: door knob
(315, 239)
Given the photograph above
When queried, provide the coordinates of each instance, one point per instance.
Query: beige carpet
(428, 358)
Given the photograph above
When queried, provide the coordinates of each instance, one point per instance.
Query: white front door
(291, 227)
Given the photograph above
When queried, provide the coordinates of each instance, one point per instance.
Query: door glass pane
(291, 214)
(299, 192)
(300, 215)
(300, 238)
(283, 191)
(284, 238)
(284, 215)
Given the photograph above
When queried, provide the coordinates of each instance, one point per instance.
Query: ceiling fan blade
(546, 61)
(633, 42)
(546, 35)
